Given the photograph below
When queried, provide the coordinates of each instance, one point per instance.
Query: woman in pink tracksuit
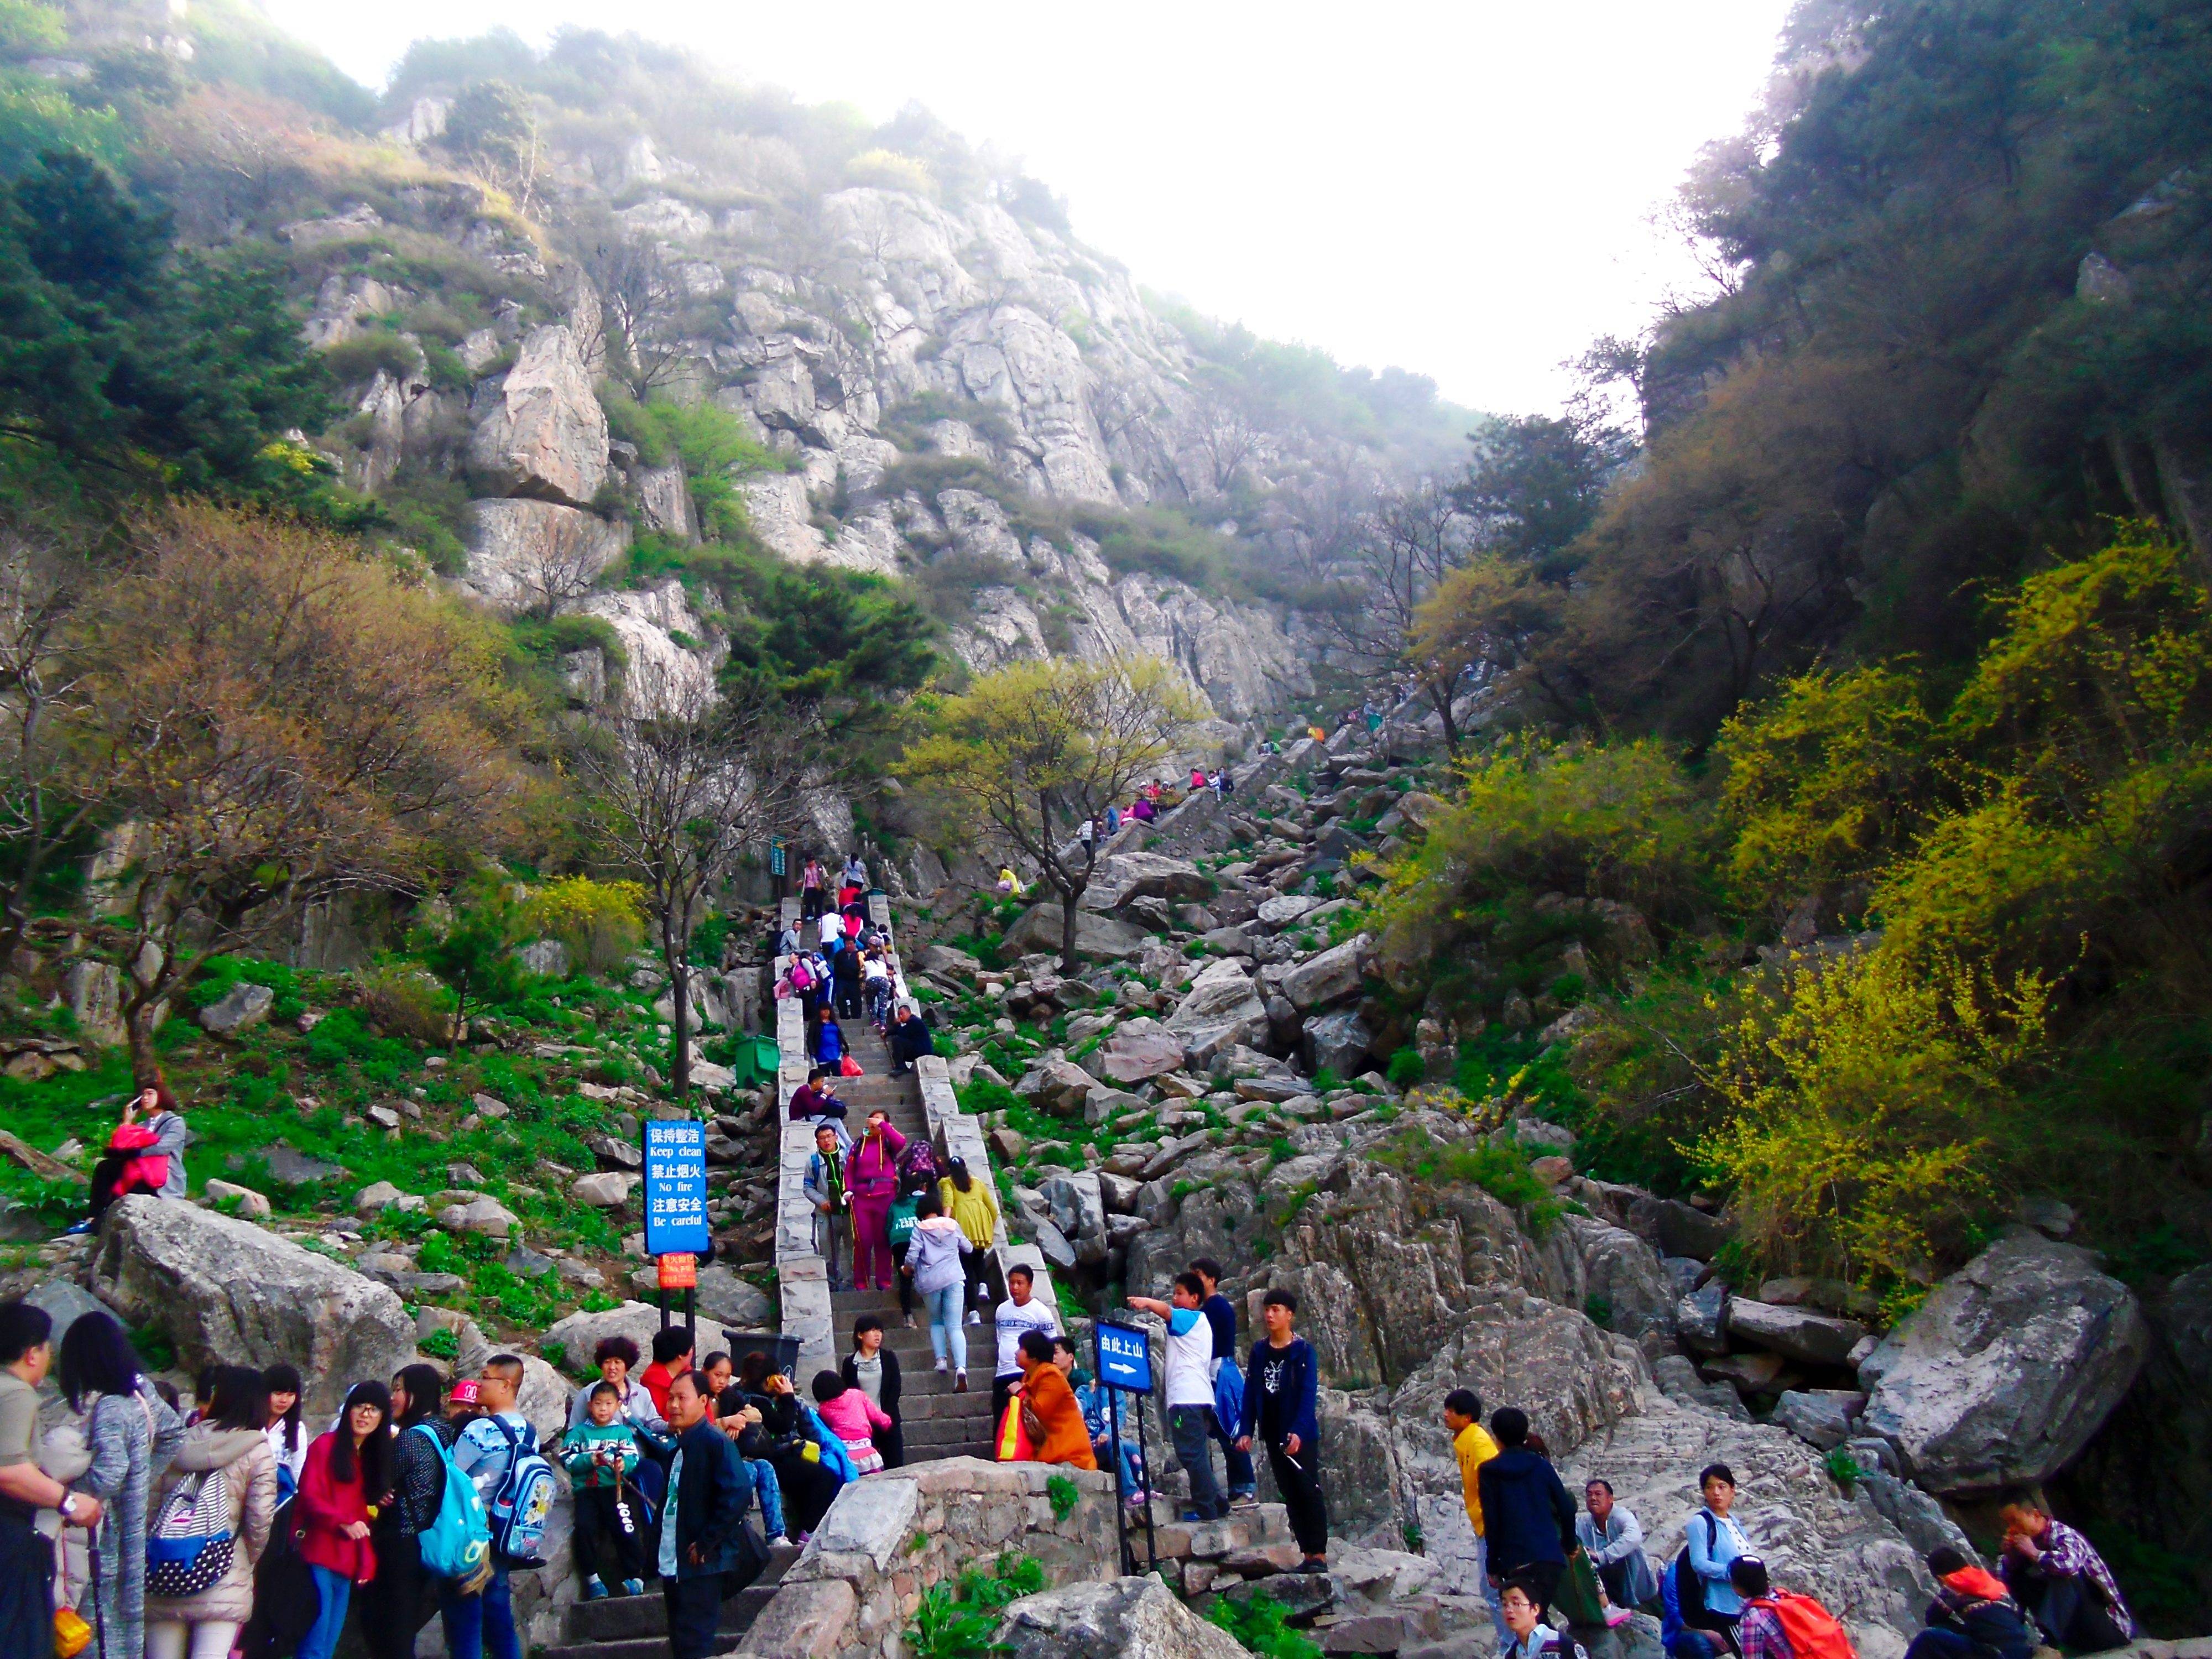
(872, 1176)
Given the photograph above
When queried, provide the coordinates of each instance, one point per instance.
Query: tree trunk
(138, 1030)
(1440, 695)
(679, 1055)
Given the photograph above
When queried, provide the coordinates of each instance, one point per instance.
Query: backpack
(457, 1544)
(919, 1162)
(1813, 1631)
(800, 979)
(903, 1219)
(1689, 1588)
(520, 1501)
(189, 1547)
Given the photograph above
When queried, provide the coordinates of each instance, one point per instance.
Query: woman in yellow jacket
(972, 1204)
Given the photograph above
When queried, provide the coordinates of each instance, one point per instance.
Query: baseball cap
(464, 1392)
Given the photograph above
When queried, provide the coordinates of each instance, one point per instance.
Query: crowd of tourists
(1715, 1599)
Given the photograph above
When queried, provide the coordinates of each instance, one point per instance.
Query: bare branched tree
(43, 806)
(567, 559)
(642, 296)
(685, 781)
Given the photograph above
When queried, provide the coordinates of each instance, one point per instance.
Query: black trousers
(695, 1608)
(27, 1576)
(399, 1600)
(1298, 1479)
(2073, 1615)
(604, 1547)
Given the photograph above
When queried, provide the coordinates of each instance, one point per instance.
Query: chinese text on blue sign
(1125, 1358)
(674, 1186)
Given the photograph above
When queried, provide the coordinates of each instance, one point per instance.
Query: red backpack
(1813, 1631)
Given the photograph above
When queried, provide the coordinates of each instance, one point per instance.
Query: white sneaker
(974, 1318)
(943, 1366)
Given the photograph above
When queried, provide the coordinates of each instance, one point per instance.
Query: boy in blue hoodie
(1279, 1388)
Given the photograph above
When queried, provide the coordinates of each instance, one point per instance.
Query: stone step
(945, 1408)
(608, 1628)
(948, 1432)
(930, 1454)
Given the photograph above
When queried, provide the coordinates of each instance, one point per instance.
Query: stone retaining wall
(890, 1537)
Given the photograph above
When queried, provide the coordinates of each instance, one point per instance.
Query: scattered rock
(1120, 1618)
(1824, 1417)
(243, 1007)
(221, 1195)
(486, 1217)
(1816, 1339)
(372, 1197)
(1331, 976)
(602, 1191)
(548, 957)
(290, 1169)
(1701, 1318)
(490, 1105)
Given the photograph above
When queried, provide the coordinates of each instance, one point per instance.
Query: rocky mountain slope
(589, 307)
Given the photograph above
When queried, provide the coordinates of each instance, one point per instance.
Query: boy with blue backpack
(498, 1451)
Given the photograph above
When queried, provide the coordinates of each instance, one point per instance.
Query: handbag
(71, 1634)
(1580, 1598)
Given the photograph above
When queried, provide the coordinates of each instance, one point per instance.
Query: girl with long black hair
(349, 1471)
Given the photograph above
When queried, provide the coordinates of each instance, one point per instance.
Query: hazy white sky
(1464, 189)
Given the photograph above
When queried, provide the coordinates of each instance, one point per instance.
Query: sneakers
(959, 1382)
(1243, 1500)
(1312, 1563)
(593, 1589)
(633, 1586)
(975, 1317)
(943, 1366)
(77, 1229)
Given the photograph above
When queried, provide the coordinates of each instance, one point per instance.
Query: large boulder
(1057, 1087)
(1333, 975)
(1224, 1007)
(1120, 1618)
(2007, 1369)
(579, 1334)
(546, 437)
(1096, 935)
(525, 554)
(225, 1290)
(1796, 1332)
(1126, 877)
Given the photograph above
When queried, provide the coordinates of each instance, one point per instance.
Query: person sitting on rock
(1613, 1540)
(142, 1157)
(1051, 1418)
(1759, 1632)
(2057, 1576)
(1973, 1616)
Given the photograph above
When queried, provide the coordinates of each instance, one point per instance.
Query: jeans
(695, 1608)
(771, 1495)
(1491, 1593)
(1935, 1643)
(1243, 1483)
(945, 1331)
(480, 1627)
(333, 1591)
(1191, 1429)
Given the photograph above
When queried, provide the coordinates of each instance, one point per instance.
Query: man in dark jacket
(910, 1038)
(1528, 1520)
(708, 1491)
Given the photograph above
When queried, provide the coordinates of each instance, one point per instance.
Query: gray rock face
(1057, 1087)
(547, 435)
(533, 555)
(1332, 976)
(544, 956)
(1122, 1619)
(1128, 1057)
(226, 1291)
(2005, 1372)
(1701, 1318)
(1821, 1417)
(242, 1006)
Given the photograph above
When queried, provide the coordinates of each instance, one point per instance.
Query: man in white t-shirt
(1190, 1390)
(1019, 1312)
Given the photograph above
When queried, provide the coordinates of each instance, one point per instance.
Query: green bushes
(359, 358)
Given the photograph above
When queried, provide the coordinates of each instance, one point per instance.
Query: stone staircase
(938, 1422)
(636, 1626)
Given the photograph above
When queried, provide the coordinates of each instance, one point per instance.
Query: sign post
(675, 1156)
(1124, 1356)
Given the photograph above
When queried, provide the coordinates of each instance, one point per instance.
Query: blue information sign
(674, 1186)
(1125, 1357)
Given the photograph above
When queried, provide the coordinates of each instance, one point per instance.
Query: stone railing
(891, 1536)
(802, 1279)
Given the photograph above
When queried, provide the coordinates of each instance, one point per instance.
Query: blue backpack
(520, 1501)
(458, 1544)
